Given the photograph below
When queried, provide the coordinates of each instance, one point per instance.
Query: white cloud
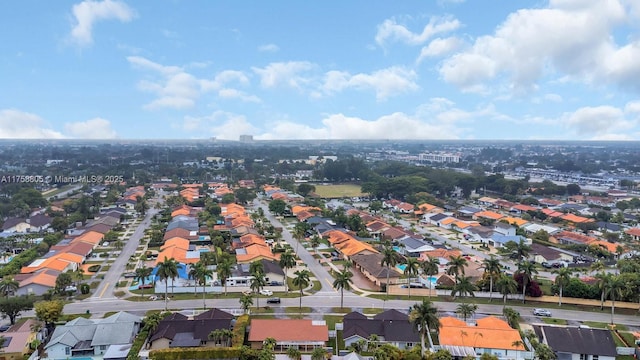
(221, 124)
(96, 128)
(289, 74)
(178, 89)
(237, 94)
(16, 124)
(88, 12)
(596, 121)
(571, 37)
(439, 47)
(386, 82)
(268, 48)
(391, 31)
(632, 107)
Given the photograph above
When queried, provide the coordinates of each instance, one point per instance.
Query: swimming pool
(401, 267)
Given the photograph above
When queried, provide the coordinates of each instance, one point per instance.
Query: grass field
(338, 191)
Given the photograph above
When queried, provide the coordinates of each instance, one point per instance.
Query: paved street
(314, 266)
(107, 285)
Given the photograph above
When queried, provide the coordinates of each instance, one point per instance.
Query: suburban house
(391, 327)
(35, 223)
(370, 266)
(272, 271)
(634, 233)
(37, 283)
(304, 334)
(17, 341)
(574, 343)
(177, 330)
(88, 337)
(541, 253)
(489, 335)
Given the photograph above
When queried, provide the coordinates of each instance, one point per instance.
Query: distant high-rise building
(246, 138)
(439, 157)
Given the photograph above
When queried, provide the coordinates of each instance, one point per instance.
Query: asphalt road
(107, 286)
(314, 266)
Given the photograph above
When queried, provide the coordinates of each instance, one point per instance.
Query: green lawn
(331, 320)
(553, 321)
(295, 310)
(602, 325)
(338, 191)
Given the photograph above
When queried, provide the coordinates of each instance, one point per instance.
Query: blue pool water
(401, 267)
(396, 248)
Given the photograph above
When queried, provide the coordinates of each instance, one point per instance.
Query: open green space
(338, 191)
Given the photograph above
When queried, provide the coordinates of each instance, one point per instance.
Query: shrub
(193, 353)
(94, 268)
(239, 330)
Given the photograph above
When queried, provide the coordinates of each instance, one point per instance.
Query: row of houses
(111, 337)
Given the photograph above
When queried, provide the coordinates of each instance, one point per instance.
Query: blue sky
(436, 69)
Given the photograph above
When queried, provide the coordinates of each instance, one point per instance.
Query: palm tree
(603, 278)
(319, 353)
(388, 260)
(492, 269)
(167, 269)
(301, 281)
(614, 287)
(315, 242)
(523, 250)
(79, 274)
(512, 316)
(506, 284)
(410, 270)
(293, 353)
(142, 273)
(193, 274)
(563, 277)
(526, 269)
(258, 281)
(299, 232)
(424, 316)
(269, 343)
(223, 269)
(456, 266)
(463, 287)
(342, 282)
(372, 342)
(430, 267)
(8, 286)
(287, 261)
(245, 302)
(202, 273)
(466, 310)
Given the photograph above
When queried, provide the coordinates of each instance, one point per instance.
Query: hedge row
(137, 345)
(239, 330)
(195, 353)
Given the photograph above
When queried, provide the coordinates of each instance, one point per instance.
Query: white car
(541, 312)
(266, 292)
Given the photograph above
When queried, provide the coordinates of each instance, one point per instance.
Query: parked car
(273, 301)
(145, 286)
(4, 328)
(277, 283)
(546, 265)
(542, 312)
(129, 275)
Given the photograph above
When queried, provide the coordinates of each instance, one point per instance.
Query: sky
(284, 69)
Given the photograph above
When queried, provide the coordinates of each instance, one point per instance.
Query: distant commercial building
(439, 157)
(246, 138)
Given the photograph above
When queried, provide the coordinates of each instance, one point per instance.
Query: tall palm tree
(245, 302)
(430, 267)
(456, 266)
(526, 269)
(424, 316)
(388, 260)
(201, 275)
(8, 286)
(466, 310)
(602, 278)
(411, 269)
(258, 281)
(523, 250)
(614, 287)
(287, 261)
(492, 269)
(512, 316)
(563, 277)
(301, 281)
(299, 233)
(142, 273)
(463, 287)
(342, 282)
(315, 242)
(223, 270)
(506, 284)
(193, 275)
(167, 269)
